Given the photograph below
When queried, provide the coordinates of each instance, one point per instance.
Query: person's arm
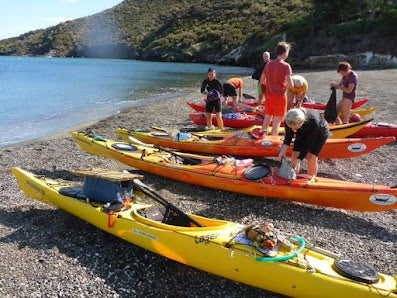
(219, 87)
(289, 134)
(337, 85)
(203, 87)
(283, 150)
(288, 81)
(347, 90)
(262, 80)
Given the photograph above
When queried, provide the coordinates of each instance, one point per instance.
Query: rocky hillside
(229, 32)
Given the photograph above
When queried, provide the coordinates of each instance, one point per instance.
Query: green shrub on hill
(205, 31)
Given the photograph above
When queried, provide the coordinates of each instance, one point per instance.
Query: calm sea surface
(40, 96)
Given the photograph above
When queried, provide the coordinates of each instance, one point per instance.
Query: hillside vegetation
(232, 32)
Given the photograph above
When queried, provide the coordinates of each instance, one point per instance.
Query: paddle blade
(136, 141)
(247, 96)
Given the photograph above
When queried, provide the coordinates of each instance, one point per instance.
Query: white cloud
(69, 1)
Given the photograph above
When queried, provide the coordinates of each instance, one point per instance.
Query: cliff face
(228, 32)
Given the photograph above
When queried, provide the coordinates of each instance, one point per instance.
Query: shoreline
(64, 132)
(63, 254)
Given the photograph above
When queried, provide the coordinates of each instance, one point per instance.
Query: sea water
(41, 96)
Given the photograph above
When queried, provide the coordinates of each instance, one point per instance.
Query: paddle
(157, 197)
(247, 96)
(136, 141)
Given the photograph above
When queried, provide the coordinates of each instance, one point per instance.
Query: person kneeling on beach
(230, 87)
(213, 88)
(311, 132)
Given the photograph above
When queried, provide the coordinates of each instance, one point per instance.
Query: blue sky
(20, 16)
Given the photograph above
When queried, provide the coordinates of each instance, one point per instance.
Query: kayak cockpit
(160, 217)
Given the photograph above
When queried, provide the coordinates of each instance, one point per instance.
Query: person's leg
(346, 106)
(219, 120)
(312, 164)
(234, 100)
(338, 111)
(290, 100)
(208, 117)
(260, 94)
(276, 124)
(279, 111)
(266, 122)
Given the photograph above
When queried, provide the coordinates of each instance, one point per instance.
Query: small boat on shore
(247, 142)
(290, 266)
(242, 176)
(259, 110)
(308, 105)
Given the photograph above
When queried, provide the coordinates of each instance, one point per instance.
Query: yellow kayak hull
(205, 248)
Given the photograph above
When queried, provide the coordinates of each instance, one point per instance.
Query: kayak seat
(124, 147)
(257, 172)
(165, 215)
(212, 138)
(185, 160)
(155, 213)
(74, 192)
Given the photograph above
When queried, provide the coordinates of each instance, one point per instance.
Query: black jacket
(211, 85)
(314, 128)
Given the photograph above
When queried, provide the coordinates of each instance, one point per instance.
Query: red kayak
(239, 108)
(229, 120)
(321, 106)
(238, 120)
(310, 105)
(377, 129)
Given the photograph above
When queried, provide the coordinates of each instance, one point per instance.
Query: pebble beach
(46, 252)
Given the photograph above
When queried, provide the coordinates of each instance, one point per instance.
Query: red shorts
(276, 104)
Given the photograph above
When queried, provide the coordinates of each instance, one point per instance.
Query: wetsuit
(212, 104)
(310, 137)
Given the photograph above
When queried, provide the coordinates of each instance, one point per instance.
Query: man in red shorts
(277, 78)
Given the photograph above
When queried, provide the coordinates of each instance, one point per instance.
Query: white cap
(298, 83)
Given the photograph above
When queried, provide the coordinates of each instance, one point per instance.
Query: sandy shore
(47, 252)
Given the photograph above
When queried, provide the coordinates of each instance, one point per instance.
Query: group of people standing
(282, 93)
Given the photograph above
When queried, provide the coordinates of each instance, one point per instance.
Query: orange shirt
(275, 72)
(301, 89)
(238, 83)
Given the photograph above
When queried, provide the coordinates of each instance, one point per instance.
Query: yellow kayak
(292, 267)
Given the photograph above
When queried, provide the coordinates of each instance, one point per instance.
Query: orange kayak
(242, 176)
(242, 143)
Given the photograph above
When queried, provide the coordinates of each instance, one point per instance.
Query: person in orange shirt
(297, 93)
(277, 78)
(230, 87)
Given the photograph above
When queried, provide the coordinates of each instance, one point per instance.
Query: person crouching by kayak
(298, 92)
(348, 85)
(212, 87)
(230, 87)
(311, 132)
